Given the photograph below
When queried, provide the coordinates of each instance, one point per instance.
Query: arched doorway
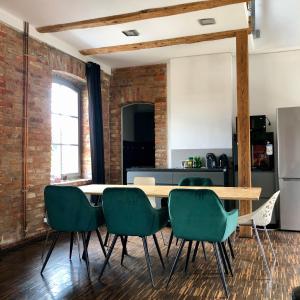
(138, 138)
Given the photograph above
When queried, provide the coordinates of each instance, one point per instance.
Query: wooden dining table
(162, 191)
(224, 193)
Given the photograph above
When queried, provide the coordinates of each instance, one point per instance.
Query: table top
(224, 193)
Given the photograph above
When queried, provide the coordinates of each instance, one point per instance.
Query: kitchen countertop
(176, 169)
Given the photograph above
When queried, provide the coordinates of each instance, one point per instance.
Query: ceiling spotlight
(131, 32)
(207, 21)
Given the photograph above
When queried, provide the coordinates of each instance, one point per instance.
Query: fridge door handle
(290, 179)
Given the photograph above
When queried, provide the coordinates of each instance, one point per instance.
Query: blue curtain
(93, 75)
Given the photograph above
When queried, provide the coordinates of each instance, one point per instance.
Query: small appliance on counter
(223, 161)
(211, 161)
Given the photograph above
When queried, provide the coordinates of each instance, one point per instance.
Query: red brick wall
(44, 61)
(146, 84)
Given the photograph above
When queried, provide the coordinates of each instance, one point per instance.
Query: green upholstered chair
(68, 210)
(198, 215)
(191, 181)
(128, 212)
(195, 181)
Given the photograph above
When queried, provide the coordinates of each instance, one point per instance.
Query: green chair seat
(195, 181)
(128, 212)
(199, 215)
(69, 210)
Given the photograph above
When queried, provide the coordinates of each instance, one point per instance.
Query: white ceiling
(45, 12)
(271, 14)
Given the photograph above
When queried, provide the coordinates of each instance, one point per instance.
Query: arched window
(65, 147)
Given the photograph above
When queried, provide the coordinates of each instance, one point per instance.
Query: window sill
(74, 182)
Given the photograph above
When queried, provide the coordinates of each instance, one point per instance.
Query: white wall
(202, 96)
(279, 23)
(200, 102)
(274, 81)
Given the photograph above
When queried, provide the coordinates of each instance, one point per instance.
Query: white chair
(154, 202)
(261, 217)
(146, 181)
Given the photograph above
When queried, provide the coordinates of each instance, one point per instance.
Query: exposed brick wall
(146, 84)
(44, 61)
(105, 90)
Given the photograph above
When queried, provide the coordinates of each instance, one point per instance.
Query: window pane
(64, 100)
(55, 129)
(69, 130)
(55, 161)
(70, 159)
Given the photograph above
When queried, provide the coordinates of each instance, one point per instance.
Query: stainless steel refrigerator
(288, 135)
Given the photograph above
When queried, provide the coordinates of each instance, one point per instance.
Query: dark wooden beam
(139, 15)
(243, 124)
(164, 43)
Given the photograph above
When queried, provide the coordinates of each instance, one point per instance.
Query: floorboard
(63, 279)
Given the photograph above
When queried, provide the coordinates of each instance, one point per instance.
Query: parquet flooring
(64, 279)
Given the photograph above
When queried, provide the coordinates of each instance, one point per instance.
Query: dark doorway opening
(138, 147)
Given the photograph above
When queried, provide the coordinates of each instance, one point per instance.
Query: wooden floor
(64, 279)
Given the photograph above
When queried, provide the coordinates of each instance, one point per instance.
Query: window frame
(77, 89)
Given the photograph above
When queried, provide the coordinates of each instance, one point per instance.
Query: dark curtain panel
(96, 123)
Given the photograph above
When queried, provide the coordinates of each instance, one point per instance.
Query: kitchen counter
(172, 176)
(177, 169)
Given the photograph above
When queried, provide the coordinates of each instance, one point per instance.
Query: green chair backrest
(197, 215)
(195, 181)
(127, 211)
(68, 209)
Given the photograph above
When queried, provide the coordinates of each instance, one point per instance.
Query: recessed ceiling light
(131, 32)
(207, 21)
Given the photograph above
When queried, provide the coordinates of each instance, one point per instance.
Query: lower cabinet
(173, 176)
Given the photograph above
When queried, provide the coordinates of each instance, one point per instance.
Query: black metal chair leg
(71, 244)
(195, 251)
(86, 254)
(124, 244)
(203, 249)
(106, 239)
(88, 237)
(223, 258)
(148, 260)
(231, 248)
(110, 250)
(175, 261)
(227, 258)
(188, 256)
(50, 250)
(101, 242)
(170, 242)
(220, 268)
(124, 248)
(158, 251)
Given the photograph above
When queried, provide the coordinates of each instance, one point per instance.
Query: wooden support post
(243, 124)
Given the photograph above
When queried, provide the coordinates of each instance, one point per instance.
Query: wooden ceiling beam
(139, 15)
(164, 43)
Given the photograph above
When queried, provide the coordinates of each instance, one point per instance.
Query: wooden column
(243, 124)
